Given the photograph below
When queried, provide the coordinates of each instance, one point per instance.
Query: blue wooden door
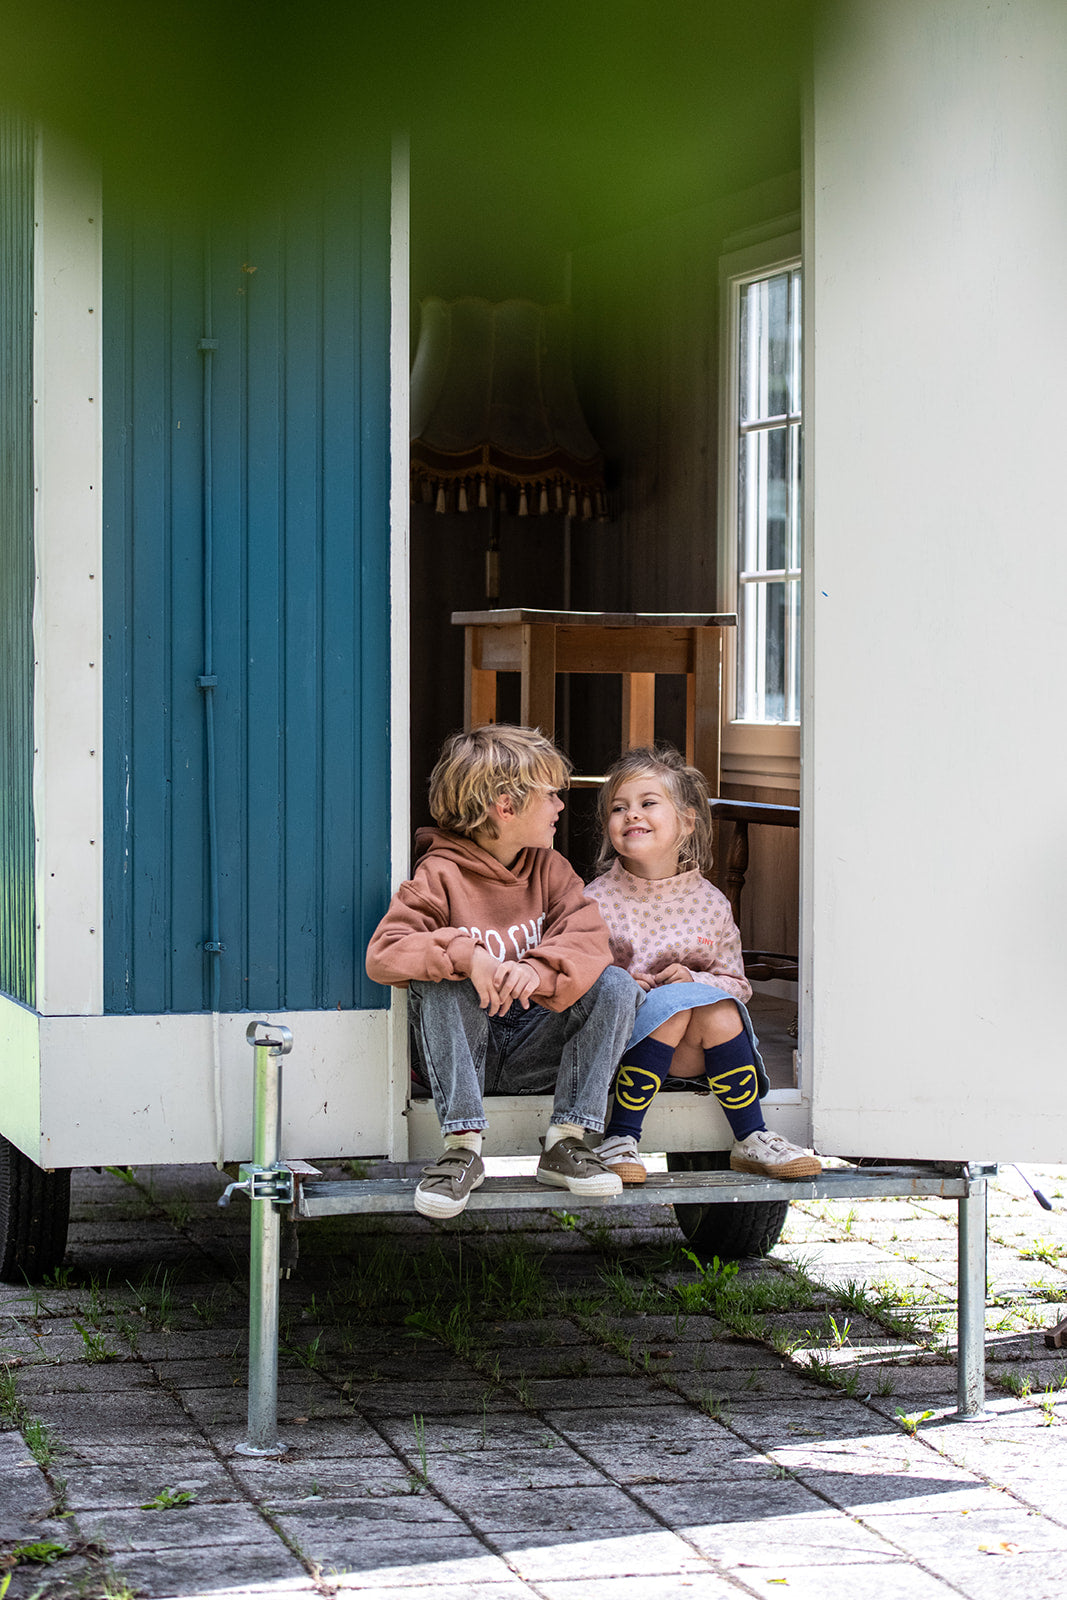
(246, 387)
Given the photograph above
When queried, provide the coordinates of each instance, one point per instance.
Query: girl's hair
(474, 769)
(686, 788)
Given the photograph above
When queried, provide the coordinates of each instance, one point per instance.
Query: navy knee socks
(637, 1081)
(731, 1075)
(732, 1080)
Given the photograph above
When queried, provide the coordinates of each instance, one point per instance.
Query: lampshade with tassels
(495, 418)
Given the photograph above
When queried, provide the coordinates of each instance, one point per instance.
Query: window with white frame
(762, 501)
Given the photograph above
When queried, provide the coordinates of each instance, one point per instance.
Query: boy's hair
(474, 769)
(686, 788)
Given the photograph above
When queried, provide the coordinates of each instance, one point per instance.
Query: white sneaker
(620, 1154)
(771, 1156)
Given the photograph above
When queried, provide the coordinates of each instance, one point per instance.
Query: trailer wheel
(729, 1230)
(34, 1213)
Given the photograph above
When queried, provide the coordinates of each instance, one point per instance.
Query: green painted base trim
(20, 1076)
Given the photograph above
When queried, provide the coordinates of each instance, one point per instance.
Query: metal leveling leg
(269, 1186)
(971, 1290)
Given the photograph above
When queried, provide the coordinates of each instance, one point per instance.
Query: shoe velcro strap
(446, 1165)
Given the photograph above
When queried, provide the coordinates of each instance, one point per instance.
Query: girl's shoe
(619, 1152)
(771, 1156)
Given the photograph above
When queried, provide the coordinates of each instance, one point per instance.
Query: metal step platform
(294, 1188)
(329, 1197)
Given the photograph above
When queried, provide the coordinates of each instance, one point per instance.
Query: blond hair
(475, 769)
(686, 789)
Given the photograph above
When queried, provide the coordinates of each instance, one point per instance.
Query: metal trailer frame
(277, 1186)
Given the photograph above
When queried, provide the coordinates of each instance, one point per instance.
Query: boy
(507, 965)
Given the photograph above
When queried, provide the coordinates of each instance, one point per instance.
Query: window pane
(768, 651)
(795, 500)
(770, 347)
(766, 502)
(769, 498)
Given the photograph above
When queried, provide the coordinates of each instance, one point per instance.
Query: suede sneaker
(570, 1164)
(446, 1186)
(771, 1156)
(619, 1152)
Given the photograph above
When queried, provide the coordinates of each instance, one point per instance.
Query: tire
(34, 1214)
(729, 1230)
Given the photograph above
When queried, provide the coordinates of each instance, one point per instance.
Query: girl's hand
(675, 973)
(644, 980)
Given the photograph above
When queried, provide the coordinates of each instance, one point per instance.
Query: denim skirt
(660, 1004)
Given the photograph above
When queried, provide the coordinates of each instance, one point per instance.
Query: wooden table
(636, 645)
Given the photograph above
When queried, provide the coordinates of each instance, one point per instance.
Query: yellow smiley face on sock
(635, 1088)
(735, 1089)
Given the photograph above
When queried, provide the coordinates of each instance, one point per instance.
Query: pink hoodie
(460, 897)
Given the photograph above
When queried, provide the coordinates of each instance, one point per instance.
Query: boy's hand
(675, 973)
(644, 980)
(484, 969)
(500, 982)
(518, 983)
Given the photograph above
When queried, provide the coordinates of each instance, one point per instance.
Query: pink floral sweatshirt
(654, 922)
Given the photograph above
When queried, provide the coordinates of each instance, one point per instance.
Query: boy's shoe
(446, 1186)
(620, 1154)
(771, 1156)
(570, 1164)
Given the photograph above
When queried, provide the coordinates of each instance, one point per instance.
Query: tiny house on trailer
(225, 639)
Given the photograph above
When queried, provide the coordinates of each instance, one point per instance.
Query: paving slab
(459, 1474)
(501, 1430)
(484, 1588)
(654, 1586)
(397, 1563)
(563, 1456)
(891, 1495)
(997, 1574)
(888, 1579)
(26, 1494)
(768, 1525)
(562, 1552)
(107, 1486)
(590, 1508)
(239, 1568)
(80, 1377)
(193, 1525)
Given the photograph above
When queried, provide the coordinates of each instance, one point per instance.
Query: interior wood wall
(646, 359)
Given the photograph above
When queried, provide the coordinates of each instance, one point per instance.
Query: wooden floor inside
(772, 1019)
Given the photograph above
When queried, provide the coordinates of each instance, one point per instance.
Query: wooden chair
(759, 964)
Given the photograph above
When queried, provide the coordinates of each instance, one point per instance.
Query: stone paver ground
(534, 1406)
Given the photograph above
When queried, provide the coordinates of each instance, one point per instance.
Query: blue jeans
(465, 1053)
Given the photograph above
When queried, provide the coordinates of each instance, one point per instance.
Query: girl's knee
(673, 1031)
(714, 1024)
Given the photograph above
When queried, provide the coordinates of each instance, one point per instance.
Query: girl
(673, 931)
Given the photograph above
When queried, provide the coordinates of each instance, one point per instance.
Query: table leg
(538, 693)
(638, 709)
(703, 730)
(479, 687)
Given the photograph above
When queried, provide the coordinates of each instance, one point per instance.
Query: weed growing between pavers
(373, 1294)
(166, 1499)
(463, 1291)
(77, 1568)
(39, 1439)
